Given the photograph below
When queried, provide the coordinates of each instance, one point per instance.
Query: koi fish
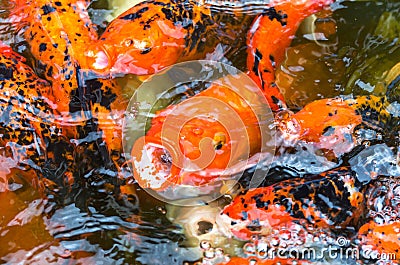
(381, 235)
(153, 35)
(328, 200)
(267, 40)
(153, 158)
(383, 238)
(23, 107)
(58, 33)
(27, 126)
(331, 123)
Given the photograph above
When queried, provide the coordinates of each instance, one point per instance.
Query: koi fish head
(197, 141)
(327, 122)
(140, 41)
(200, 152)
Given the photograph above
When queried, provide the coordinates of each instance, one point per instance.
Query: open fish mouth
(152, 163)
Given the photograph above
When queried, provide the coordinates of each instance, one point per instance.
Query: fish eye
(128, 42)
(219, 140)
(166, 158)
(218, 146)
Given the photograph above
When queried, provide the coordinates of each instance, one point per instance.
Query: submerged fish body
(329, 200)
(24, 109)
(267, 40)
(27, 124)
(58, 34)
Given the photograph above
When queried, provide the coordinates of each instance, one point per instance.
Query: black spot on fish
(327, 131)
(168, 13)
(50, 71)
(6, 73)
(257, 58)
(136, 15)
(42, 47)
(145, 51)
(47, 9)
(275, 100)
(272, 59)
(279, 16)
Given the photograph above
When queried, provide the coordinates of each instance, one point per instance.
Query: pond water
(105, 219)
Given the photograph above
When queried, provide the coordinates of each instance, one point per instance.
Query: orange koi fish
(58, 33)
(331, 199)
(153, 158)
(320, 116)
(156, 34)
(267, 40)
(380, 237)
(383, 238)
(330, 123)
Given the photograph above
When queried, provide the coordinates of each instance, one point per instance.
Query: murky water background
(104, 220)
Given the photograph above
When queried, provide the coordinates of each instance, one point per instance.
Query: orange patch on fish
(319, 118)
(144, 39)
(383, 238)
(268, 39)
